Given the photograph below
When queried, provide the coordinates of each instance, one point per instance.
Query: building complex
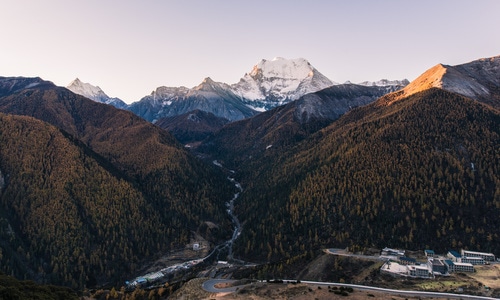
(401, 265)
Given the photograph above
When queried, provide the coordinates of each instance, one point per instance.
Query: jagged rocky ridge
(416, 168)
(209, 96)
(269, 84)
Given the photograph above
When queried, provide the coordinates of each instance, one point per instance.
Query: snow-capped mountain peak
(94, 93)
(86, 89)
(279, 67)
(274, 82)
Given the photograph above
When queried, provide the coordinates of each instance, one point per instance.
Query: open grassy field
(488, 275)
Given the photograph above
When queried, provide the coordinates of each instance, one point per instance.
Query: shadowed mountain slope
(151, 172)
(192, 126)
(284, 126)
(420, 173)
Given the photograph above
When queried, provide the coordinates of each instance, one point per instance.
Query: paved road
(341, 252)
(401, 292)
(209, 286)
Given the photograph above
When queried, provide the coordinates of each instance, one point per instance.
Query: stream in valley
(161, 276)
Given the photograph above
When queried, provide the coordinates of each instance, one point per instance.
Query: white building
(393, 252)
(429, 253)
(459, 267)
(419, 271)
(453, 255)
(472, 260)
(485, 256)
(437, 266)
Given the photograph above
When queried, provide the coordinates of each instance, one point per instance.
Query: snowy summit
(280, 81)
(94, 93)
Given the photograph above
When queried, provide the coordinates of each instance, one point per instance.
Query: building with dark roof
(437, 266)
(407, 260)
(453, 255)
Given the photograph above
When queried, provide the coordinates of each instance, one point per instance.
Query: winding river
(236, 223)
(155, 277)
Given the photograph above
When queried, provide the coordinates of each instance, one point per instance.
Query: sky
(129, 48)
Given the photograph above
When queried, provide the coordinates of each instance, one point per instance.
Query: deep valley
(220, 181)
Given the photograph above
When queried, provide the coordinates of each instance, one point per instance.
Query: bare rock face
(209, 96)
(271, 83)
(331, 103)
(478, 80)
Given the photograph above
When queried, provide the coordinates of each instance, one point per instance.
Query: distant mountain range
(270, 83)
(85, 186)
(414, 168)
(89, 193)
(210, 96)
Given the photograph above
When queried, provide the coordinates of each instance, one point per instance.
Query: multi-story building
(472, 260)
(458, 266)
(485, 256)
(437, 266)
(453, 255)
(407, 260)
(419, 271)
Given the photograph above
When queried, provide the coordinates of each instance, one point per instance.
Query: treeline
(421, 173)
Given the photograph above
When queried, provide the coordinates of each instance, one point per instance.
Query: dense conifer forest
(88, 192)
(11, 288)
(89, 198)
(420, 173)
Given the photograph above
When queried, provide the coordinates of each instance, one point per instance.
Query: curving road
(402, 292)
(209, 286)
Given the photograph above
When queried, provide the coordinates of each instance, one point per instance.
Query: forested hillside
(11, 288)
(193, 126)
(420, 173)
(89, 199)
(284, 126)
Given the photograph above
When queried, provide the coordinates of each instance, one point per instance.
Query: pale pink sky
(129, 48)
